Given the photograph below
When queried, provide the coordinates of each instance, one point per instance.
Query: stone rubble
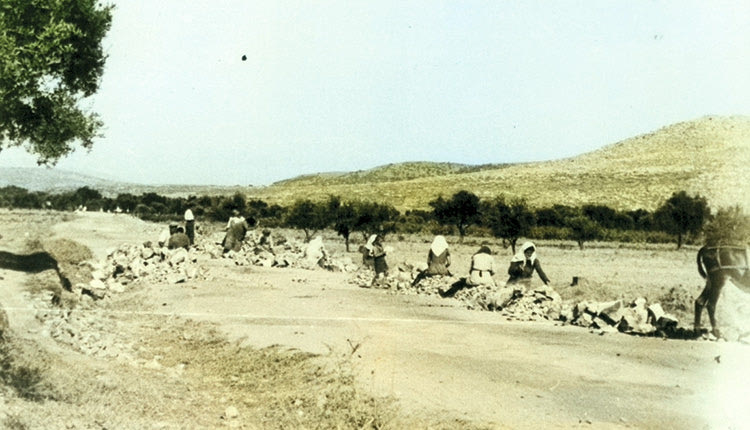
(131, 264)
(280, 252)
(635, 317)
(522, 302)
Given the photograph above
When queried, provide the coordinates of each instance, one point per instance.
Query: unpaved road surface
(437, 358)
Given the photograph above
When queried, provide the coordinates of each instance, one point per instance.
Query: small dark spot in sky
(244, 57)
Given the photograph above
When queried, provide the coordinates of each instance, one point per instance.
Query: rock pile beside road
(281, 252)
(635, 317)
(130, 264)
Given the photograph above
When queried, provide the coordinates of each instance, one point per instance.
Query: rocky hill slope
(709, 156)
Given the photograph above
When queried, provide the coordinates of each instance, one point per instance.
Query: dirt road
(438, 358)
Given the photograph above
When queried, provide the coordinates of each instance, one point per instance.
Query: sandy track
(438, 358)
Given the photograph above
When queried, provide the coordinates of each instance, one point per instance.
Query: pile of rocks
(636, 317)
(280, 252)
(128, 264)
(399, 279)
(85, 328)
(515, 302)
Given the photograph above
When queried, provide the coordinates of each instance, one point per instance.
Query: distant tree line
(680, 218)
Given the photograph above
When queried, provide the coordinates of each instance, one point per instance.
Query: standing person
(438, 260)
(377, 252)
(523, 264)
(482, 268)
(190, 226)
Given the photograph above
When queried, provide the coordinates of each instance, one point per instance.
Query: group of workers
(522, 266)
(176, 236)
(481, 272)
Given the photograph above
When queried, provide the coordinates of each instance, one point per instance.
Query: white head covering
(370, 241)
(520, 256)
(439, 244)
(189, 215)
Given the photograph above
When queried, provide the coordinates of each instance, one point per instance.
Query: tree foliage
(583, 229)
(372, 217)
(730, 226)
(52, 58)
(508, 219)
(344, 217)
(682, 214)
(307, 216)
(462, 210)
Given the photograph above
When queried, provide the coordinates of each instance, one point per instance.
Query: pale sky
(350, 85)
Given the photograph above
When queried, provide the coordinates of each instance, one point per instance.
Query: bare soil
(439, 359)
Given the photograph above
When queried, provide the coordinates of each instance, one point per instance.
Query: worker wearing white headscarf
(190, 226)
(439, 257)
(524, 263)
(438, 260)
(315, 252)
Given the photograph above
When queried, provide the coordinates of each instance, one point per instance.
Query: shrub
(550, 232)
(730, 226)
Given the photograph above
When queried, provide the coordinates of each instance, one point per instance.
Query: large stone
(176, 278)
(666, 322)
(147, 253)
(116, 287)
(280, 262)
(97, 284)
(584, 320)
(634, 320)
(500, 298)
(178, 256)
(121, 260)
(655, 312)
(604, 325)
(611, 311)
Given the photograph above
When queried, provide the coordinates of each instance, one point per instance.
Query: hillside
(709, 156)
(388, 173)
(54, 180)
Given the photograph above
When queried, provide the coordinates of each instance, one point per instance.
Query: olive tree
(462, 210)
(682, 214)
(583, 229)
(51, 59)
(307, 216)
(509, 219)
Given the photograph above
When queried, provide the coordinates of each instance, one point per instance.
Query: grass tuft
(27, 381)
